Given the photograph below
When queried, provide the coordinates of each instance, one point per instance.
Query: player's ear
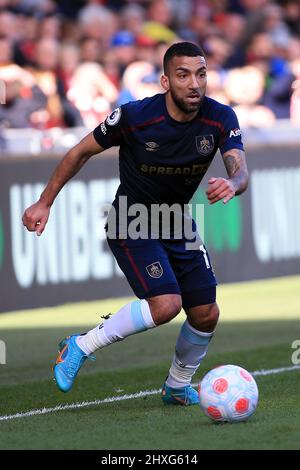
(164, 81)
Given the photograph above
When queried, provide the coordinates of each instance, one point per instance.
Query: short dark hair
(181, 49)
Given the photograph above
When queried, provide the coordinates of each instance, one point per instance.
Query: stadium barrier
(255, 236)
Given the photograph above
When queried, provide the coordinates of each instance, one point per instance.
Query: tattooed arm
(226, 189)
(236, 167)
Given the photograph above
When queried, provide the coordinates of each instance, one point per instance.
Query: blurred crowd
(69, 63)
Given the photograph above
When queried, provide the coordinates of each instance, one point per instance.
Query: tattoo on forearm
(235, 164)
(232, 165)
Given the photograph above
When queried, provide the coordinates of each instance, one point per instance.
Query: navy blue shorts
(156, 267)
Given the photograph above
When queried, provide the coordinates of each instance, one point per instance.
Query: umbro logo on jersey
(152, 146)
(205, 144)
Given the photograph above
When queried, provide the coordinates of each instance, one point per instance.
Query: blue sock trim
(137, 317)
(193, 337)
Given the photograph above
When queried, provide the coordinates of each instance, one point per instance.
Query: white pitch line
(84, 404)
(274, 371)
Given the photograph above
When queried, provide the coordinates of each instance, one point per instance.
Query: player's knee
(168, 310)
(165, 307)
(204, 317)
(210, 318)
(213, 314)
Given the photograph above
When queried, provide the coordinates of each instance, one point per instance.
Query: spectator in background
(158, 26)
(252, 6)
(260, 49)
(232, 27)
(292, 16)
(293, 51)
(51, 38)
(58, 111)
(69, 58)
(269, 49)
(148, 50)
(23, 98)
(93, 94)
(111, 67)
(98, 22)
(218, 50)
(200, 25)
(215, 86)
(70, 31)
(124, 49)
(140, 80)
(158, 32)
(278, 95)
(280, 37)
(50, 27)
(132, 18)
(6, 51)
(278, 92)
(254, 19)
(46, 63)
(274, 25)
(181, 13)
(90, 50)
(8, 25)
(160, 11)
(38, 6)
(25, 46)
(244, 89)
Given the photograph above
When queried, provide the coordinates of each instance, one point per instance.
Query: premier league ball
(228, 393)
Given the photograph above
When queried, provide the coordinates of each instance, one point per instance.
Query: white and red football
(228, 393)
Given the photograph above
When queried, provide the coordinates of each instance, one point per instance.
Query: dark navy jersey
(162, 160)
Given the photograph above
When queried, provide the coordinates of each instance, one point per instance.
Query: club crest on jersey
(205, 144)
(114, 117)
(155, 269)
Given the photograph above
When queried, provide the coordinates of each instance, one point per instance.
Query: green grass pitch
(259, 322)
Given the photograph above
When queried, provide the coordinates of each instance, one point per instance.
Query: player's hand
(36, 217)
(220, 188)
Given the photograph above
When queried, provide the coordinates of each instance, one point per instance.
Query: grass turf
(260, 320)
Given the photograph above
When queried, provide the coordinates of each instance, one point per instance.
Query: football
(228, 393)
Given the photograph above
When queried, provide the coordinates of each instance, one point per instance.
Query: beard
(187, 108)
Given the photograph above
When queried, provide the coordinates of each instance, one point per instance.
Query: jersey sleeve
(110, 132)
(231, 133)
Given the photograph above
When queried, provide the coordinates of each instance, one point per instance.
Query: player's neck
(176, 113)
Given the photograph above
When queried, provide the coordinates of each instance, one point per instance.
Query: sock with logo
(191, 348)
(130, 319)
